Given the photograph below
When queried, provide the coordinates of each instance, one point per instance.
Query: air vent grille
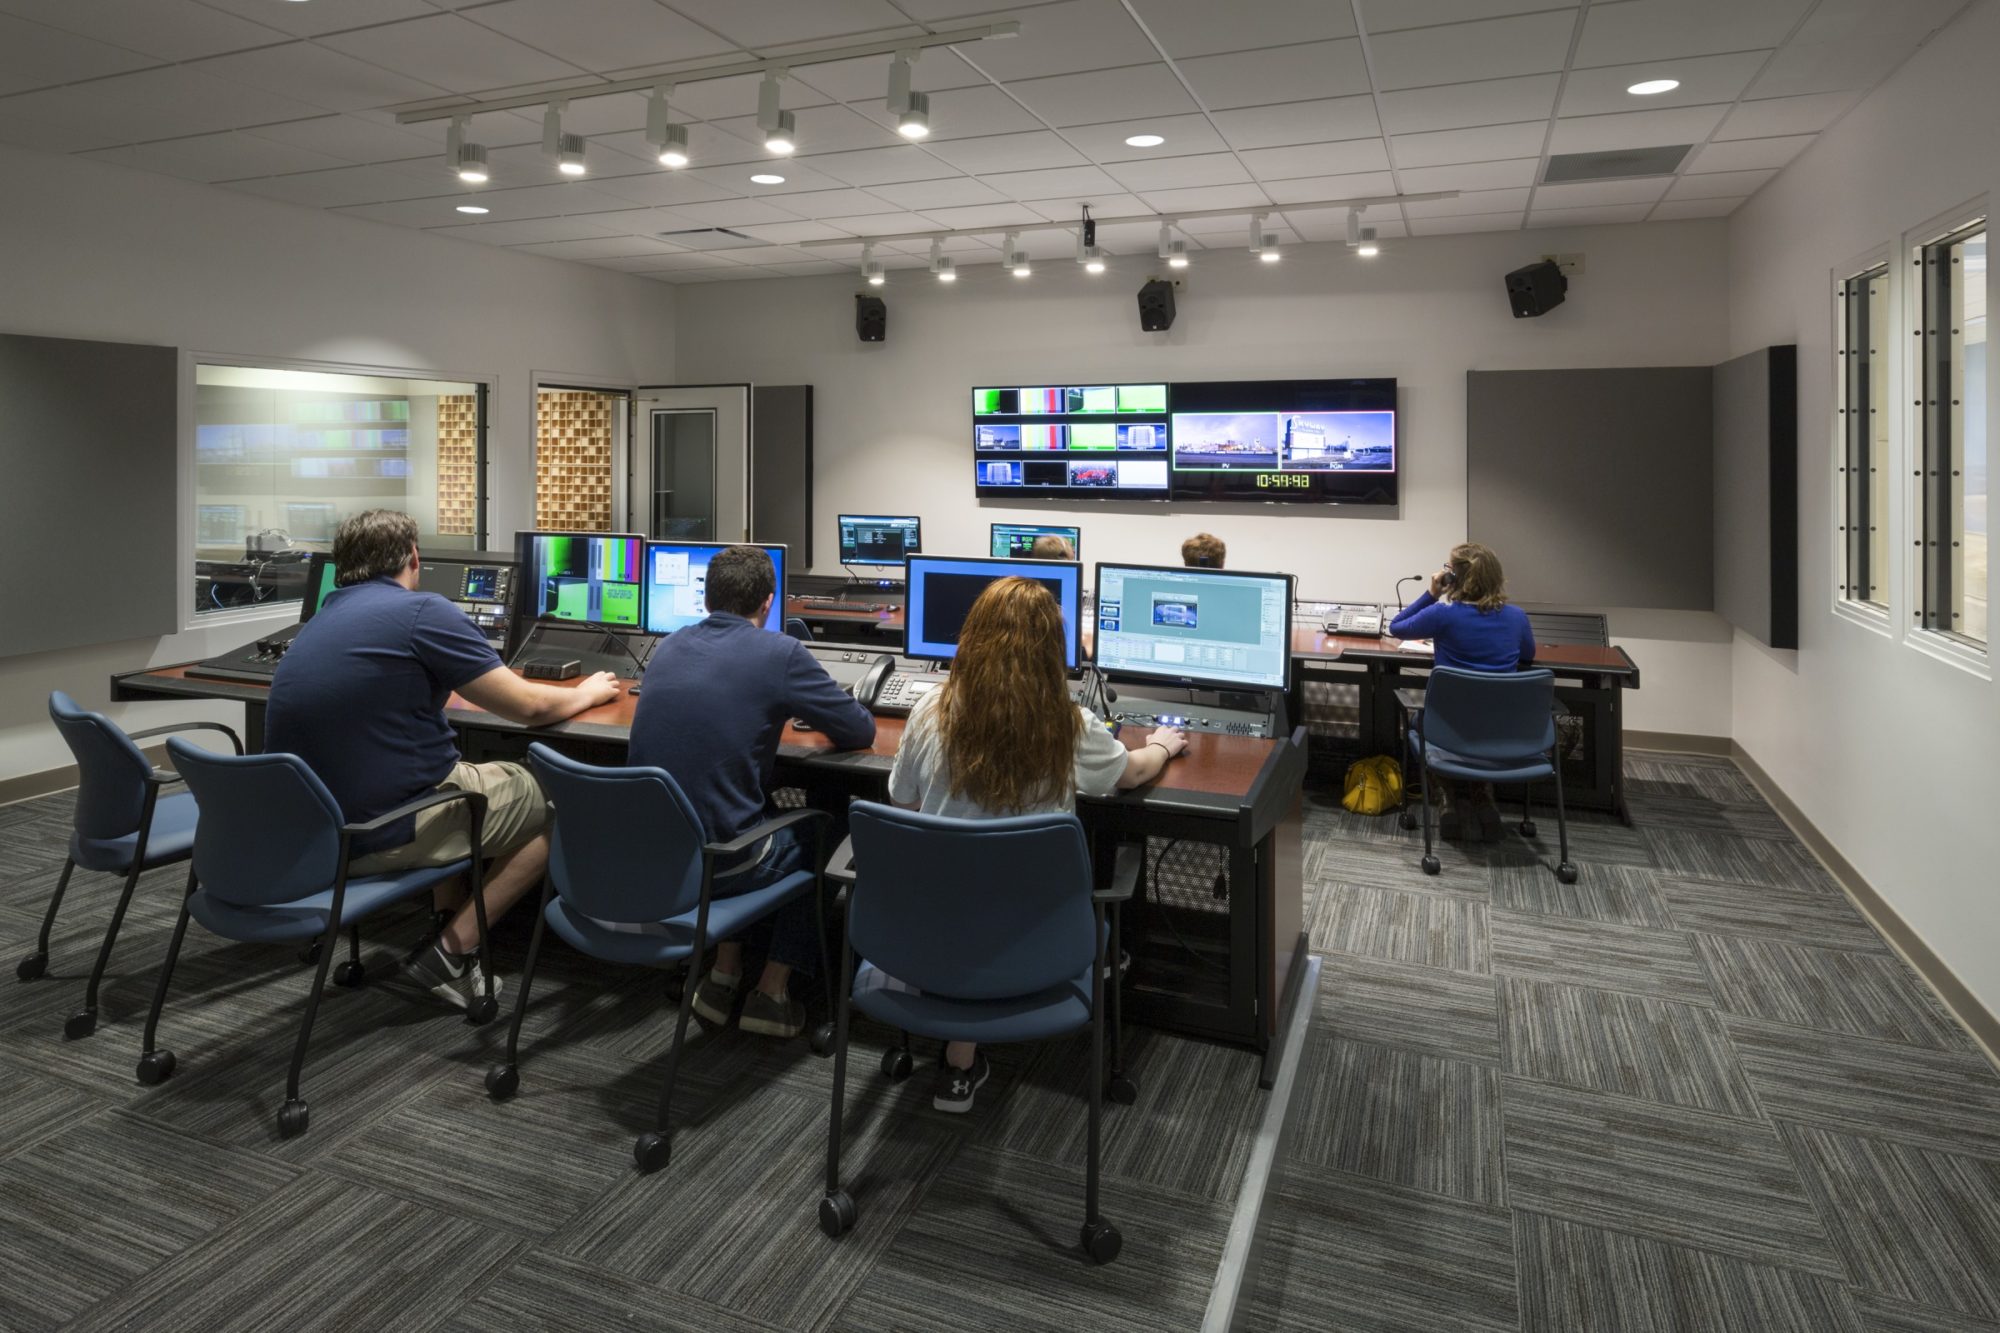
(709, 238)
(1615, 164)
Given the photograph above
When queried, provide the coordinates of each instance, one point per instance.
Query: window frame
(1930, 506)
(1857, 481)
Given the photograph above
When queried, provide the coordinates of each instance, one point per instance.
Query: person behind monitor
(360, 698)
(1203, 551)
(1048, 546)
(1001, 737)
(711, 713)
(1472, 627)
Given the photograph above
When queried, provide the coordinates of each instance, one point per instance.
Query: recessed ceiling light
(766, 178)
(1145, 140)
(1651, 87)
(473, 208)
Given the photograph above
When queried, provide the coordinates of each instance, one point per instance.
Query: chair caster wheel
(156, 1067)
(32, 966)
(293, 1118)
(501, 1081)
(80, 1024)
(652, 1151)
(837, 1214)
(481, 1010)
(1431, 865)
(1121, 1090)
(1527, 828)
(310, 954)
(820, 1039)
(1566, 873)
(1406, 820)
(1101, 1242)
(350, 974)
(897, 1064)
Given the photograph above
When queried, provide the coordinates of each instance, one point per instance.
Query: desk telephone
(887, 692)
(1363, 620)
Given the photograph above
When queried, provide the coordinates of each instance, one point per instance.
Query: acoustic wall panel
(781, 438)
(1757, 494)
(88, 519)
(1594, 487)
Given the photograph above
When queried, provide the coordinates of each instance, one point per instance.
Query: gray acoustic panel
(1594, 486)
(781, 440)
(1757, 494)
(87, 509)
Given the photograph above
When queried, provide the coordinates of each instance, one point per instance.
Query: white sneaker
(457, 980)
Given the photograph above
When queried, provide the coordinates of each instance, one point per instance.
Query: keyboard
(835, 604)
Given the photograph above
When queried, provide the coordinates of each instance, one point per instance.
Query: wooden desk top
(1315, 645)
(890, 619)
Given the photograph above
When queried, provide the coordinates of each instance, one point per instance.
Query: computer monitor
(319, 582)
(878, 539)
(483, 589)
(309, 521)
(219, 525)
(1016, 541)
(1225, 629)
(943, 589)
(677, 584)
(589, 578)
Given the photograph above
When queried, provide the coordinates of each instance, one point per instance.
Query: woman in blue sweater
(1472, 627)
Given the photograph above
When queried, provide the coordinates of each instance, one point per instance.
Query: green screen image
(619, 604)
(1096, 398)
(1093, 435)
(1142, 398)
(572, 599)
(325, 587)
(987, 401)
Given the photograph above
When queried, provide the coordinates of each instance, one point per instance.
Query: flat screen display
(1211, 627)
(591, 578)
(1071, 441)
(677, 584)
(1298, 441)
(1016, 541)
(943, 589)
(879, 539)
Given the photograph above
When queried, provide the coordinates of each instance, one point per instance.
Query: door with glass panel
(691, 463)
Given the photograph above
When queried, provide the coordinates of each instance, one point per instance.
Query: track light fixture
(669, 141)
(468, 160)
(1171, 250)
(1263, 244)
(1367, 249)
(871, 267)
(1093, 259)
(915, 123)
(1016, 258)
(779, 126)
(1354, 226)
(940, 265)
(566, 149)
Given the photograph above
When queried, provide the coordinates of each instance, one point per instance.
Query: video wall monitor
(943, 589)
(879, 539)
(1016, 541)
(219, 525)
(590, 578)
(677, 584)
(309, 521)
(1072, 441)
(1298, 441)
(1223, 629)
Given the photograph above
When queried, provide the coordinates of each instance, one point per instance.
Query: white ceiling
(1262, 102)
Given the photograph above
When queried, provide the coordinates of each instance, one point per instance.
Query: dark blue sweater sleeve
(815, 696)
(1420, 619)
(1527, 640)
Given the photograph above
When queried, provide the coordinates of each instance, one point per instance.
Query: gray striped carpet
(1693, 1091)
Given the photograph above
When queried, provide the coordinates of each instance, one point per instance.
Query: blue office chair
(1480, 726)
(271, 866)
(798, 629)
(995, 924)
(629, 849)
(122, 823)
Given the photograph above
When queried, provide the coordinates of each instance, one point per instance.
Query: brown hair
(1479, 580)
(1005, 718)
(373, 544)
(1048, 546)
(739, 579)
(1204, 549)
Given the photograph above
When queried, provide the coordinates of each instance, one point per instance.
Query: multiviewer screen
(1200, 626)
(587, 577)
(1016, 541)
(677, 584)
(874, 539)
(942, 592)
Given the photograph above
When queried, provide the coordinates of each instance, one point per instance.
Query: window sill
(279, 613)
(1953, 652)
(1873, 618)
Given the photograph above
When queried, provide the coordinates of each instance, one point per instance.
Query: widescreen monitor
(879, 539)
(1016, 541)
(590, 578)
(677, 584)
(319, 582)
(1223, 629)
(943, 589)
(1072, 441)
(309, 521)
(1298, 441)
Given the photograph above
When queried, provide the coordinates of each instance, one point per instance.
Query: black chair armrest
(408, 808)
(1411, 698)
(1124, 875)
(173, 727)
(750, 837)
(159, 777)
(840, 870)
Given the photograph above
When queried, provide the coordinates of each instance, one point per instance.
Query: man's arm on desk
(534, 704)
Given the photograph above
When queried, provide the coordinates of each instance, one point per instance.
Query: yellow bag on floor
(1374, 785)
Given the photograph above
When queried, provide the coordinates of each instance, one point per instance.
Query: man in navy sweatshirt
(711, 712)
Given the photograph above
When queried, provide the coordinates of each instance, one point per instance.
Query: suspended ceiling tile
(603, 34)
(1465, 222)
(344, 186)
(1600, 194)
(1062, 39)
(217, 157)
(1849, 44)
(835, 204)
(1491, 49)
(1002, 153)
(1638, 30)
(917, 196)
(665, 189)
(311, 73)
(954, 13)
(1349, 185)
(440, 214)
(1462, 105)
(883, 166)
(160, 29)
(867, 79)
(790, 233)
(1318, 159)
(541, 201)
(1205, 27)
(1671, 210)
(1719, 184)
(1470, 176)
(761, 25)
(962, 113)
(601, 247)
(984, 215)
(1062, 182)
(1703, 80)
(314, 20)
(1472, 201)
(1785, 115)
(1112, 203)
(1748, 154)
(349, 138)
(732, 213)
(885, 223)
(1184, 135)
(822, 129)
(1486, 144)
(1310, 72)
(1178, 172)
(1589, 217)
(1635, 129)
(65, 120)
(450, 52)
(1390, 15)
(1203, 197)
(1105, 95)
(1299, 122)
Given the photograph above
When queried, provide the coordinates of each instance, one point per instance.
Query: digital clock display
(1290, 481)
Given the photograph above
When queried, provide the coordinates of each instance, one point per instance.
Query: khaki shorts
(516, 814)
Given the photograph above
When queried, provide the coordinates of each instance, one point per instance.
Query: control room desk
(1240, 793)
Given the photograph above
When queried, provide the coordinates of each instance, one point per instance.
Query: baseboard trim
(1956, 996)
(30, 785)
(1678, 742)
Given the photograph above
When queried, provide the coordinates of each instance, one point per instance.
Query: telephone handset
(887, 692)
(874, 680)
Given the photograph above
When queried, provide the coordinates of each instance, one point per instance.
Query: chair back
(798, 629)
(971, 909)
(1492, 715)
(111, 770)
(627, 842)
(269, 830)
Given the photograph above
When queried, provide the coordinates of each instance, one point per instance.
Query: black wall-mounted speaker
(1156, 306)
(1536, 289)
(871, 319)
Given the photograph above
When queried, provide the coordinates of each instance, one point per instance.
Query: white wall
(892, 421)
(97, 251)
(1889, 751)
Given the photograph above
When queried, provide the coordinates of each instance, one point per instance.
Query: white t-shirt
(922, 778)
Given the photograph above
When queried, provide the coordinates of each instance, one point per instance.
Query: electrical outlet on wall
(1571, 264)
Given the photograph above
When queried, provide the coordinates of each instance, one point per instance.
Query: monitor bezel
(840, 554)
(1007, 567)
(523, 562)
(1196, 681)
(777, 598)
(1075, 543)
(314, 567)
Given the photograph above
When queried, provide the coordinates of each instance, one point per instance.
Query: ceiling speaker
(1536, 289)
(871, 319)
(1156, 306)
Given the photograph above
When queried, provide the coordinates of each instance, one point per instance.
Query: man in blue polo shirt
(712, 711)
(360, 697)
